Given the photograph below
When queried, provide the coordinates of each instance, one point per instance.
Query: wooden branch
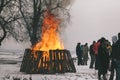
(8, 2)
(28, 29)
(4, 33)
(1, 6)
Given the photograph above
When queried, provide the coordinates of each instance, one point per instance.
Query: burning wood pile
(48, 56)
(56, 61)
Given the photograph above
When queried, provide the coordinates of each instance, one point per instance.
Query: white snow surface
(8, 70)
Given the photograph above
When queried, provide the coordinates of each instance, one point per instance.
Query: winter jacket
(103, 56)
(78, 50)
(116, 50)
(91, 50)
(95, 47)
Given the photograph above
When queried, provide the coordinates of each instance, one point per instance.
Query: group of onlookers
(82, 53)
(104, 56)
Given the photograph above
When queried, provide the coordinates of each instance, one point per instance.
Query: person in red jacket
(96, 46)
(95, 49)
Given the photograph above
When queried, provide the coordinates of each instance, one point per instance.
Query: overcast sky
(91, 20)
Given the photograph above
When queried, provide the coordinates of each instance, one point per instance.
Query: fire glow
(48, 55)
(50, 36)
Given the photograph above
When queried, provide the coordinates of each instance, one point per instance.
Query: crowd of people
(104, 56)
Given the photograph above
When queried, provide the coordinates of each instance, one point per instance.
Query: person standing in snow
(92, 55)
(116, 56)
(85, 53)
(95, 49)
(113, 65)
(79, 53)
(103, 56)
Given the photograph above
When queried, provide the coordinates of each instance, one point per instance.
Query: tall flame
(50, 36)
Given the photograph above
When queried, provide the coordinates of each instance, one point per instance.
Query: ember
(48, 55)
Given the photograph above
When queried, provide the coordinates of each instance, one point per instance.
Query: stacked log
(56, 61)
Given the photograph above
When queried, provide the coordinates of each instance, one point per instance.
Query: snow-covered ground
(10, 65)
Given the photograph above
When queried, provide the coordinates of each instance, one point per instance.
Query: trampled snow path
(8, 71)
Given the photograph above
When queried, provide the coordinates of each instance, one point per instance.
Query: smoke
(61, 10)
(66, 3)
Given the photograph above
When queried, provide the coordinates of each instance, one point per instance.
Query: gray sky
(91, 20)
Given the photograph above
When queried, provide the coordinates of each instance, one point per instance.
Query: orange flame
(50, 37)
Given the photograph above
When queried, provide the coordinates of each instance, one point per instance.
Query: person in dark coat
(113, 65)
(116, 57)
(92, 55)
(103, 56)
(79, 53)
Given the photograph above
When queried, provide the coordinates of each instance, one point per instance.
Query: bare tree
(36, 9)
(3, 22)
(22, 19)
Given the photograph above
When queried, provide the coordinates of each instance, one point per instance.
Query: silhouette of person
(79, 53)
(116, 57)
(113, 65)
(92, 55)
